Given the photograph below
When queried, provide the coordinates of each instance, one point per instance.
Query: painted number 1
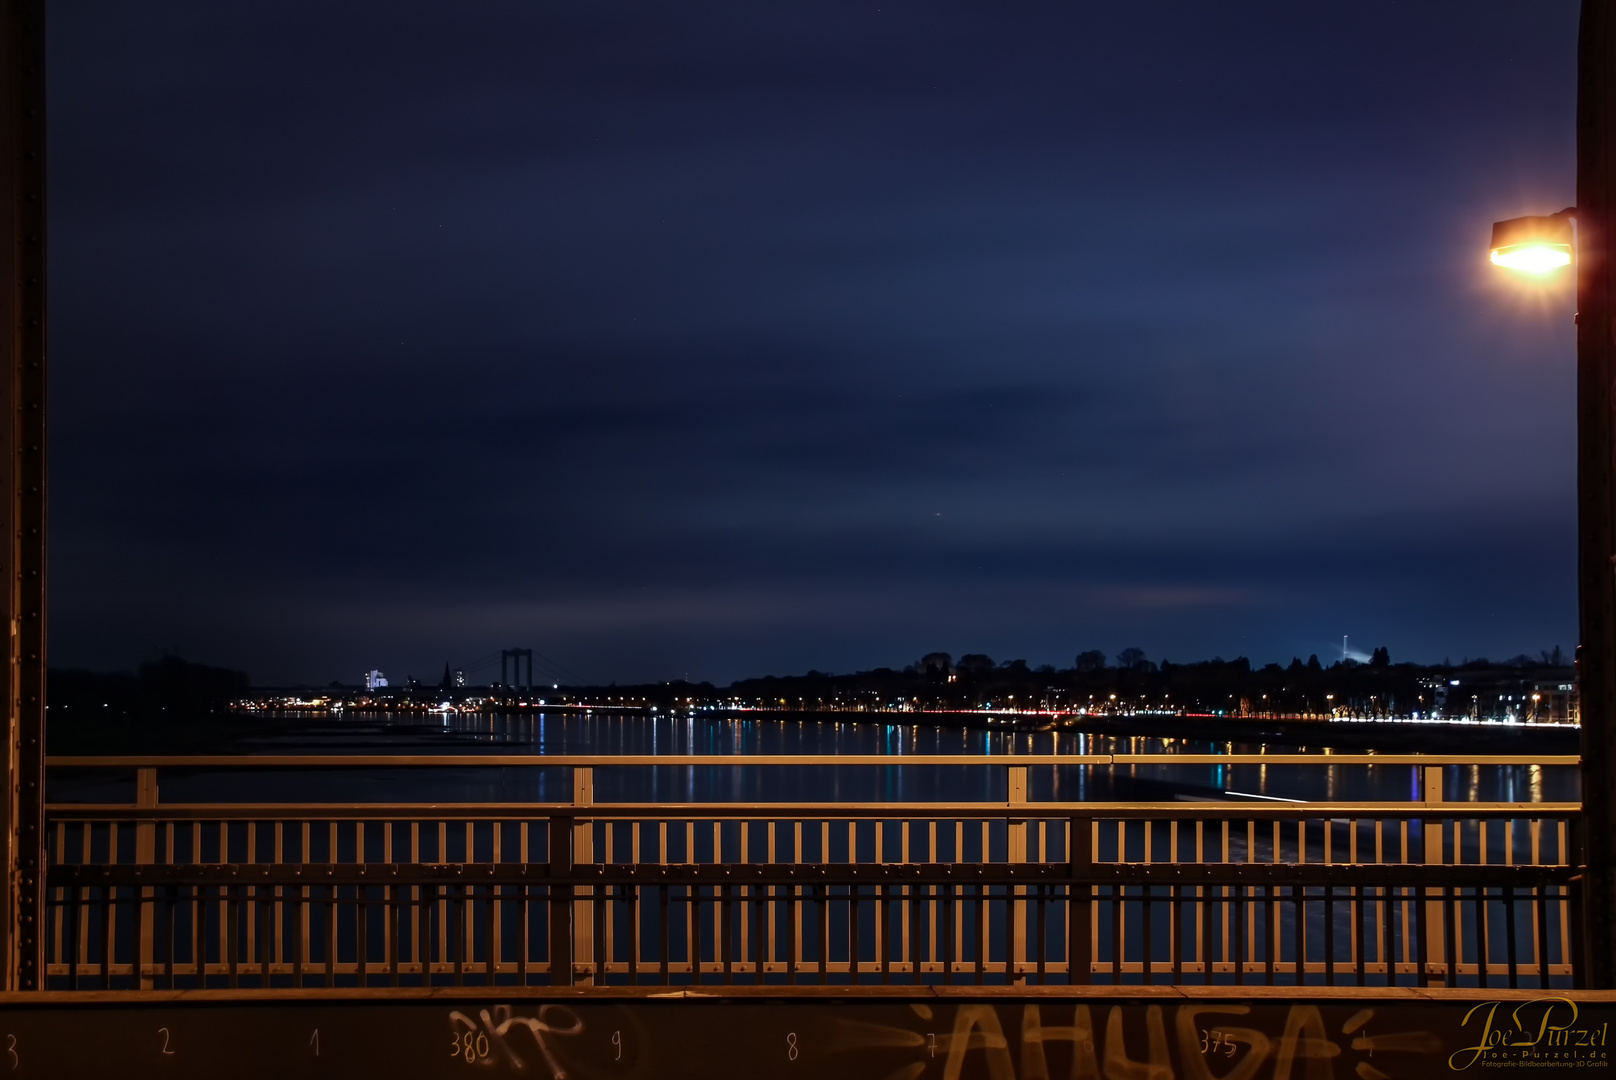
(314, 1041)
(791, 1046)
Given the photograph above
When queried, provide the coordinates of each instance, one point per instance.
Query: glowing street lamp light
(1533, 245)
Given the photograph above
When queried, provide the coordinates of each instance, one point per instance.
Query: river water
(777, 733)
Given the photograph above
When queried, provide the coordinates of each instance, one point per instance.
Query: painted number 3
(465, 1046)
(791, 1046)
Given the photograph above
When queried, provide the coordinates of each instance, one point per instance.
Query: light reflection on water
(813, 734)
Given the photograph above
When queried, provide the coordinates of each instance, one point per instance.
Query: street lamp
(1541, 246)
(1533, 245)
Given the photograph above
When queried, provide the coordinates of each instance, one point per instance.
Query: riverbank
(236, 732)
(1390, 736)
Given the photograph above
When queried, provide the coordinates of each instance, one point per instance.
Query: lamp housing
(1532, 245)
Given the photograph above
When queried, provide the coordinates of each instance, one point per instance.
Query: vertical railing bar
(390, 898)
(1360, 941)
(1390, 920)
(662, 943)
(762, 906)
(82, 943)
(1080, 903)
(1540, 934)
(170, 902)
(232, 910)
(421, 928)
(263, 912)
(1329, 927)
(302, 914)
(883, 917)
(1203, 950)
(793, 895)
(1271, 938)
(1206, 901)
(602, 952)
(1450, 935)
(1420, 932)
(1147, 953)
(824, 925)
(108, 914)
(1042, 893)
(1299, 935)
(1356, 944)
(1510, 932)
(559, 899)
(1013, 932)
(1570, 904)
(75, 915)
(1175, 935)
(1118, 936)
(855, 950)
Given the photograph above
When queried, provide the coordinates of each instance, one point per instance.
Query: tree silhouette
(1091, 661)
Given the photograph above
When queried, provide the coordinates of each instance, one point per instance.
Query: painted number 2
(164, 1033)
(791, 1046)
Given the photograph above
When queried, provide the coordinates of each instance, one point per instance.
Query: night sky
(716, 340)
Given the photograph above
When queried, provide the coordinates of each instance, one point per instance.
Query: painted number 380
(464, 1045)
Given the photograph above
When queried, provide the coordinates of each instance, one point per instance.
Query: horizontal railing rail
(1386, 874)
(478, 760)
(617, 811)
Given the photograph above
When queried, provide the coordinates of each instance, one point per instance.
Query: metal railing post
(1080, 904)
(1436, 957)
(1596, 480)
(146, 855)
(23, 282)
(583, 851)
(1016, 842)
(561, 903)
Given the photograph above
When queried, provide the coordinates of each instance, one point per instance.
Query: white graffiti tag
(478, 1041)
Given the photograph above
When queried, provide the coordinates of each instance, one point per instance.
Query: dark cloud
(726, 338)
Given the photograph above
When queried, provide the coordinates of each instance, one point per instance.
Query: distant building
(1501, 694)
(375, 680)
(1555, 702)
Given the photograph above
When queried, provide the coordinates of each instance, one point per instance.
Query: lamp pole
(1596, 480)
(22, 491)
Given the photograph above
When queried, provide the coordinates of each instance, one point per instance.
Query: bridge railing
(151, 894)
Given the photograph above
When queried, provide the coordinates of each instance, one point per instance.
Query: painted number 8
(791, 1046)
